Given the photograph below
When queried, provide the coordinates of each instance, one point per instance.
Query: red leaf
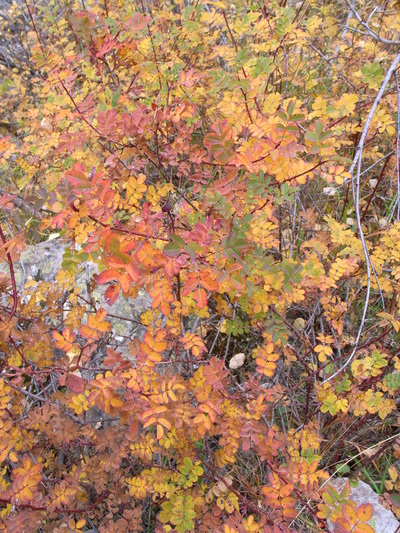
(75, 383)
(107, 276)
(190, 286)
(111, 294)
(133, 271)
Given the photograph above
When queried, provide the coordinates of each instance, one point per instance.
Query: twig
(397, 146)
(365, 25)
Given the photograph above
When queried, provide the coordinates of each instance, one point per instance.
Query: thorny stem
(58, 511)
(34, 25)
(12, 275)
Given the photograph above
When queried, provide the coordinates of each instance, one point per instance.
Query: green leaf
(333, 492)
(342, 469)
(326, 135)
(312, 137)
(112, 244)
(115, 98)
(172, 249)
(290, 107)
(177, 239)
(296, 118)
(191, 251)
(189, 524)
(238, 282)
(328, 499)
(164, 517)
(281, 114)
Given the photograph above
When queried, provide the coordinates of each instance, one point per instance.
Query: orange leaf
(116, 402)
(190, 286)
(208, 283)
(363, 528)
(125, 282)
(160, 432)
(160, 409)
(160, 346)
(88, 333)
(160, 334)
(270, 492)
(200, 297)
(349, 514)
(150, 422)
(165, 308)
(165, 423)
(64, 341)
(365, 512)
(286, 490)
(289, 502)
(290, 514)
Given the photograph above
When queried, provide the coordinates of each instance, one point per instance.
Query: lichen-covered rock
(383, 519)
(41, 262)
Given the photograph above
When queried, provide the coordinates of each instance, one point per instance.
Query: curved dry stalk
(356, 195)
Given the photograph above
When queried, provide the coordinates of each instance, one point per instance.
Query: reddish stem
(12, 275)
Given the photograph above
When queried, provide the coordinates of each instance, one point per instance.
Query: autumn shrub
(239, 163)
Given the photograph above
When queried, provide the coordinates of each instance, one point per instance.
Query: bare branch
(369, 31)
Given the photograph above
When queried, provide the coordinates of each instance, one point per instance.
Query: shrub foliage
(238, 162)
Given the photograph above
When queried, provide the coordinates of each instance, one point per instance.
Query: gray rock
(41, 262)
(385, 521)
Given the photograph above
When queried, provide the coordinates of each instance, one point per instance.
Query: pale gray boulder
(384, 520)
(42, 261)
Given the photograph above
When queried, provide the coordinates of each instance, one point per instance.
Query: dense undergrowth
(239, 162)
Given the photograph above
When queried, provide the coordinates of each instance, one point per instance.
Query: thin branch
(369, 31)
(398, 146)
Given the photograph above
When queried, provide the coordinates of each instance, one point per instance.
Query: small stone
(237, 361)
(329, 191)
(46, 125)
(382, 223)
(299, 324)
